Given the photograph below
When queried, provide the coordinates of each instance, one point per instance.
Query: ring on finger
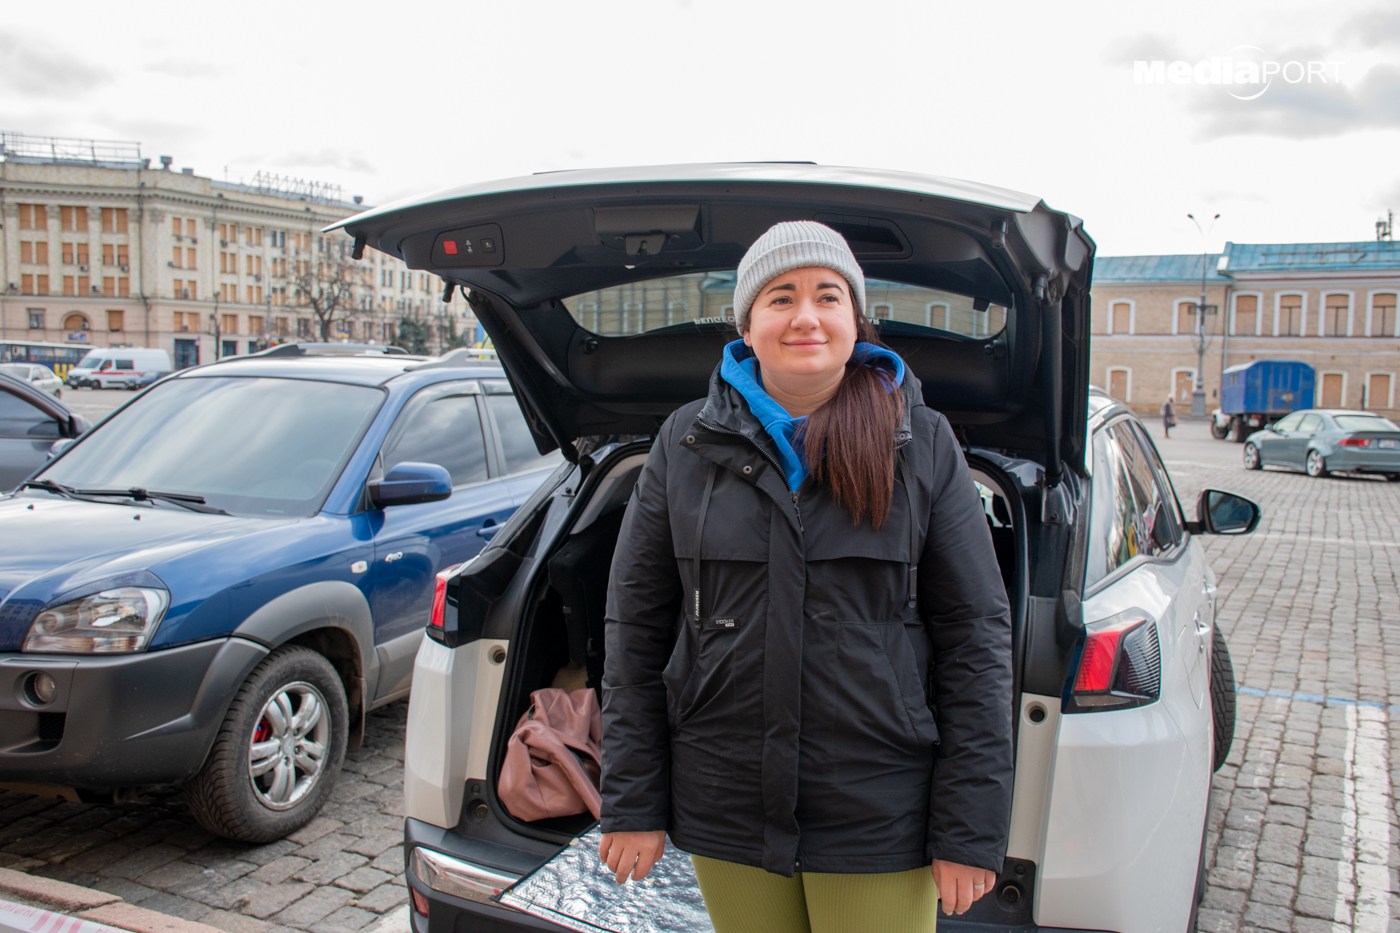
(978, 887)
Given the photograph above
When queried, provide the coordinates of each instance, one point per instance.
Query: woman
(808, 676)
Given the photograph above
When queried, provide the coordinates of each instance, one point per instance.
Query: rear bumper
(121, 720)
(1354, 460)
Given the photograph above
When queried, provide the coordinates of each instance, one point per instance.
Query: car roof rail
(325, 349)
(462, 356)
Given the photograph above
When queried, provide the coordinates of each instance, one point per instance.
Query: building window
(34, 284)
(177, 258)
(1183, 384)
(1186, 317)
(109, 286)
(1378, 391)
(33, 217)
(1290, 316)
(1383, 316)
(73, 219)
(1121, 322)
(34, 251)
(1333, 393)
(69, 286)
(184, 322)
(1246, 315)
(114, 220)
(228, 323)
(115, 319)
(1335, 315)
(75, 322)
(1120, 384)
(36, 318)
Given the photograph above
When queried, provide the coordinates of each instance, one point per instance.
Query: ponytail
(849, 441)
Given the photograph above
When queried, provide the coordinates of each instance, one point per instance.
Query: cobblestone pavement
(1303, 833)
(1303, 828)
(337, 875)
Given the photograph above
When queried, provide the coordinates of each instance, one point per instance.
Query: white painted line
(1363, 872)
(1317, 539)
(17, 918)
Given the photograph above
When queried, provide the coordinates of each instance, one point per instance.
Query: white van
(114, 367)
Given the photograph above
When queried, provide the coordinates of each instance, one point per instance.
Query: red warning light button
(449, 247)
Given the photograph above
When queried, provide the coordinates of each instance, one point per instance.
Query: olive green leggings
(743, 899)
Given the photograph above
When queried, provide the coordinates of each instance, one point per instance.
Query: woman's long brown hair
(849, 441)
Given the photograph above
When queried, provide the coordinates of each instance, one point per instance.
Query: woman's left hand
(960, 885)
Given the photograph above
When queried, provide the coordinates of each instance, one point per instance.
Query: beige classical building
(99, 249)
(1331, 305)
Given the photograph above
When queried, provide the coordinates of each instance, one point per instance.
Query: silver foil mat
(575, 890)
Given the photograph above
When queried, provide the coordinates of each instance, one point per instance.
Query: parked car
(32, 423)
(1320, 441)
(36, 374)
(219, 581)
(608, 295)
(140, 382)
(113, 367)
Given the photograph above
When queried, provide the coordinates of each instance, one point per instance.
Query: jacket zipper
(764, 454)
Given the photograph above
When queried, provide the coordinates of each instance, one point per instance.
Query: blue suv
(215, 584)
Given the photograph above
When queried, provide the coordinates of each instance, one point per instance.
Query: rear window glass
(1365, 423)
(708, 298)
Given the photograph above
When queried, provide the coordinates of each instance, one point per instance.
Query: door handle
(397, 555)
(488, 528)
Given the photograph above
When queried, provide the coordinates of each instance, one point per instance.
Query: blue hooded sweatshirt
(740, 369)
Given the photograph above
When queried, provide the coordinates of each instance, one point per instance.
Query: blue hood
(740, 369)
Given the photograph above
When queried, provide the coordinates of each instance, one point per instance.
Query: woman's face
(803, 323)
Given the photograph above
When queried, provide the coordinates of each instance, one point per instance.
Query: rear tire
(1217, 432)
(1316, 465)
(1252, 460)
(229, 796)
(1241, 430)
(1222, 697)
(1393, 477)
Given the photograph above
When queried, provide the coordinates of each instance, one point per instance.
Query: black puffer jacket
(812, 715)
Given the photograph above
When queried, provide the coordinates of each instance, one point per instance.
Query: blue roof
(1322, 257)
(1178, 268)
(1250, 257)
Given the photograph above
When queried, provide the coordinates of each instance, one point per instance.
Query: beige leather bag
(554, 757)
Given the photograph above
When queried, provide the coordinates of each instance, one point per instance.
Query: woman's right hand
(631, 854)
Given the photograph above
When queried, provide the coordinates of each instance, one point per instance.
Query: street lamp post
(1198, 393)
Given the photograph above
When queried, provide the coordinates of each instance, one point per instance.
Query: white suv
(608, 296)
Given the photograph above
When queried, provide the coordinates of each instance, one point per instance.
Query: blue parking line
(1314, 698)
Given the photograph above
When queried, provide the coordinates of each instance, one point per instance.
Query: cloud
(37, 69)
(1305, 110)
(1377, 27)
(1145, 47)
(327, 157)
(184, 68)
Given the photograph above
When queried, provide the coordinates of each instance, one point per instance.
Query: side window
(1119, 526)
(517, 443)
(18, 418)
(1154, 499)
(440, 425)
(1290, 423)
(126, 364)
(1164, 481)
(1311, 423)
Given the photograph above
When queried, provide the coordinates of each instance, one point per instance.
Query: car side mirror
(60, 445)
(1224, 513)
(409, 483)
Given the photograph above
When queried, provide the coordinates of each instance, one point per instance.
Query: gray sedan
(1322, 441)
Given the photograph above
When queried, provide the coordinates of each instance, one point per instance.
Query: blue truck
(1259, 393)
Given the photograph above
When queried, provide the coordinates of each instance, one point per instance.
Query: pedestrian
(1168, 417)
(808, 677)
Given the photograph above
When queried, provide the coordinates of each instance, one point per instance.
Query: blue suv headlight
(115, 621)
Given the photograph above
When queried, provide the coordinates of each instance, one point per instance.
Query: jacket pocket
(701, 667)
(882, 651)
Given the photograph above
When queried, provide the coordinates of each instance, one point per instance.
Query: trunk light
(1355, 442)
(1119, 666)
(440, 599)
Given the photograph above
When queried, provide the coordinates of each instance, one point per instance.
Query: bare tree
(326, 281)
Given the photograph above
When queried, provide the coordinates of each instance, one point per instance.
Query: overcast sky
(391, 99)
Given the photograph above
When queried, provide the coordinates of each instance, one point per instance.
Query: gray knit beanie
(794, 244)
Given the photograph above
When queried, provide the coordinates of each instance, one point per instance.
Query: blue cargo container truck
(1259, 393)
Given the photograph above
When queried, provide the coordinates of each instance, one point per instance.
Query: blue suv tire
(278, 753)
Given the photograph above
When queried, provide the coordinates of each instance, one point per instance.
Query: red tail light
(1119, 666)
(1355, 442)
(440, 600)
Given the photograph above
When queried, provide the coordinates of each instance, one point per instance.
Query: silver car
(37, 375)
(1321, 441)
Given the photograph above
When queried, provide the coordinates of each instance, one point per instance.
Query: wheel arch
(332, 618)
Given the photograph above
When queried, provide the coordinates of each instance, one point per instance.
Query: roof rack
(462, 356)
(327, 349)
